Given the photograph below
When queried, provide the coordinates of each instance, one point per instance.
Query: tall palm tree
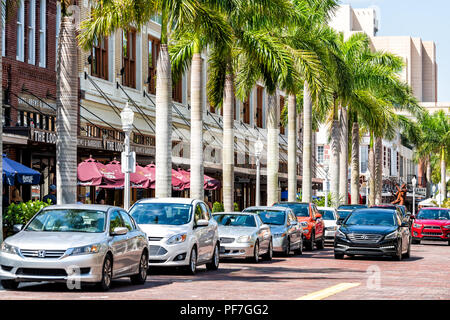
(109, 16)
(67, 106)
(435, 139)
(189, 43)
(343, 157)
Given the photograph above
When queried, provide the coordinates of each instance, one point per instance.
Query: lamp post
(259, 145)
(367, 174)
(326, 168)
(127, 118)
(414, 181)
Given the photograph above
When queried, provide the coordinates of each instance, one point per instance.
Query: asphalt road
(312, 276)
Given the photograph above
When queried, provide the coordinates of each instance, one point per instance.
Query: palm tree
(190, 41)
(67, 106)
(435, 138)
(109, 16)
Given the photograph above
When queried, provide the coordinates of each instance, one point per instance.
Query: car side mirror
(202, 223)
(412, 217)
(17, 228)
(119, 231)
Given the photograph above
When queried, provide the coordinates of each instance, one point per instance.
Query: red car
(431, 224)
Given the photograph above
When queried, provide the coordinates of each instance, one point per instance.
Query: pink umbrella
(209, 183)
(144, 172)
(177, 179)
(137, 180)
(88, 173)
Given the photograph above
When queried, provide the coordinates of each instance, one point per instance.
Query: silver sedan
(244, 235)
(75, 244)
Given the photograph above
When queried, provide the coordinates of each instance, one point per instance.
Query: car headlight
(178, 238)
(340, 234)
(416, 225)
(279, 235)
(304, 224)
(9, 249)
(92, 248)
(446, 227)
(242, 239)
(392, 235)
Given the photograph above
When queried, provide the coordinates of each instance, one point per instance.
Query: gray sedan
(75, 244)
(286, 231)
(244, 235)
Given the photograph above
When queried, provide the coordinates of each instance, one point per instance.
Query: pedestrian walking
(16, 198)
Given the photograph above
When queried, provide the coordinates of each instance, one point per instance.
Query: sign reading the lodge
(50, 137)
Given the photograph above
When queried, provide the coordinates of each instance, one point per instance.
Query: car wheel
(398, 256)
(287, 250)
(414, 241)
(10, 284)
(338, 255)
(299, 250)
(311, 242)
(321, 243)
(141, 276)
(255, 257)
(107, 271)
(408, 253)
(214, 264)
(449, 242)
(268, 256)
(192, 267)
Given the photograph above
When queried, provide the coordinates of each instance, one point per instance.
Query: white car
(330, 217)
(181, 232)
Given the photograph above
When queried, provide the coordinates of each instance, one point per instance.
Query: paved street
(315, 275)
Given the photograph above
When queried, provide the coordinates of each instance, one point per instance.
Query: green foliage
(217, 207)
(236, 207)
(20, 214)
(320, 202)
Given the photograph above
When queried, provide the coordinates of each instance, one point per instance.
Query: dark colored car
(373, 232)
(311, 220)
(405, 216)
(345, 209)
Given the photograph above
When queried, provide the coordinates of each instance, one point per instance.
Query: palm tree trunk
(443, 176)
(428, 177)
(307, 143)
(343, 157)
(292, 148)
(67, 113)
(355, 164)
(334, 163)
(273, 119)
(228, 143)
(372, 172)
(378, 169)
(163, 156)
(197, 180)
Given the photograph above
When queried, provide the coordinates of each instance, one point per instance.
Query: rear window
(299, 209)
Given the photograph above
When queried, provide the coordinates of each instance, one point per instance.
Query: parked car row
(95, 244)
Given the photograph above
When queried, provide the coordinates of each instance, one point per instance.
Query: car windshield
(161, 213)
(343, 214)
(235, 220)
(372, 219)
(429, 214)
(69, 220)
(327, 214)
(299, 209)
(352, 206)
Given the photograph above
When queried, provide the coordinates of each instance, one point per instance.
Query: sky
(427, 19)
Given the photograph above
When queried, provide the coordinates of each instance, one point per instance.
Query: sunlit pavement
(314, 275)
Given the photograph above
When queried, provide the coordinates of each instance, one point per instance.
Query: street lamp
(127, 118)
(414, 181)
(259, 145)
(367, 174)
(326, 168)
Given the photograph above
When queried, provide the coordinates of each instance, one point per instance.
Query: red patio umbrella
(208, 182)
(88, 173)
(177, 179)
(137, 180)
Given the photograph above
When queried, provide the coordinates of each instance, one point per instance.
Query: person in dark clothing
(51, 196)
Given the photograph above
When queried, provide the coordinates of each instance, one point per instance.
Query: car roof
(236, 212)
(434, 208)
(326, 208)
(168, 200)
(375, 210)
(267, 208)
(100, 207)
(291, 202)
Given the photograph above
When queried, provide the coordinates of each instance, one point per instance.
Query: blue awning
(14, 171)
